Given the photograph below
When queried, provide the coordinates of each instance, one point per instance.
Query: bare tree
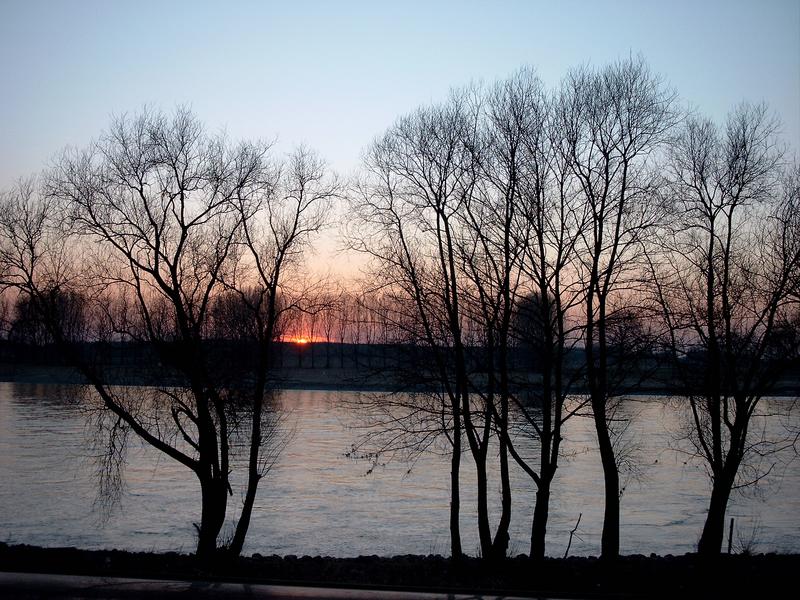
(530, 170)
(492, 248)
(615, 120)
(726, 285)
(159, 195)
(331, 316)
(468, 233)
(38, 272)
(163, 211)
(277, 229)
(418, 176)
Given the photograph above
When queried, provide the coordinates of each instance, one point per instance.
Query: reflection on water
(318, 501)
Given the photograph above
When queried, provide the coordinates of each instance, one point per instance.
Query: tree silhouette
(614, 119)
(156, 219)
(725, 283)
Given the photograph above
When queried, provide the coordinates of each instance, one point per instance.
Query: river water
(317, 500)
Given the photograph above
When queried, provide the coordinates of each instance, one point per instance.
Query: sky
(334, 75)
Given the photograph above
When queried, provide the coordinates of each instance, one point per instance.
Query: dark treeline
(533, 255)
(353, 337)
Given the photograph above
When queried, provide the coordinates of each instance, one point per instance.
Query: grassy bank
(757, 576)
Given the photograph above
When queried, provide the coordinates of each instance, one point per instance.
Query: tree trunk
(539, 526)
(714, 529)
(237, 544)
(609, 548)
(253, 477)
(455, 493)
(501, 537)
(484, 531)
(214, 501)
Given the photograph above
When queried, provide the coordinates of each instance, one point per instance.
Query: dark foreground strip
(35, 585)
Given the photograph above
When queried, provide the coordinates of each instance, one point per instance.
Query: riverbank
(630, 576)
(319, 378)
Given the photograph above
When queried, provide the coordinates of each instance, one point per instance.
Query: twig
(730, 536)
(572, 533)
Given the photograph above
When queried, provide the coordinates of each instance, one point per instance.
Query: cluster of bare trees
(596, 220)
(597, 217)
(164, 235)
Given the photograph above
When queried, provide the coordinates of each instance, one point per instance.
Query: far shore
(317, 378)
(728, 576)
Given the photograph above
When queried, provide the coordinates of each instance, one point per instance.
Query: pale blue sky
(335, 74)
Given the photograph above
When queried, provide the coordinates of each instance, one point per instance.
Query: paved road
(35, 585)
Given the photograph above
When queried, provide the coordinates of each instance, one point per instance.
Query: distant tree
(6, 310)
(726, 285)
(343, 325)
(330, 316)
(37, 273)
(632, 346)
(66, 307)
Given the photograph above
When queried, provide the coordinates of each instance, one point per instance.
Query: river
(317, 500)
